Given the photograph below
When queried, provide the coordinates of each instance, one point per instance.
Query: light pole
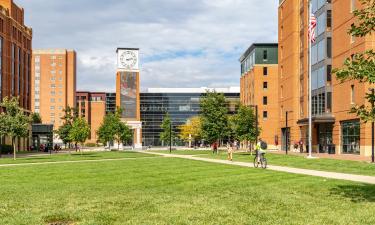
(170, 137)
(256, 121)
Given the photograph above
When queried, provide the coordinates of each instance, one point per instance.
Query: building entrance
(325, 138)
(285, 139)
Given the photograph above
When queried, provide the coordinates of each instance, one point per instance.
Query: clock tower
(127, 91)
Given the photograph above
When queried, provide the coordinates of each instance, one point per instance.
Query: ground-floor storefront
(329, 136)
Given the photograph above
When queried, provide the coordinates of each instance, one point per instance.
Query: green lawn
(176, 191)
(73, 157)
(334, 165)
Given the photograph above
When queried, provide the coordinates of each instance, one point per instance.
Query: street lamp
(256, 121)
(286, 131)
(170, 137)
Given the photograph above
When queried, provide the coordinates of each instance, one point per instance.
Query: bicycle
(262, 160)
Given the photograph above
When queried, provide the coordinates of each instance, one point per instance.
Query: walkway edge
(316, 173)
(76, 161)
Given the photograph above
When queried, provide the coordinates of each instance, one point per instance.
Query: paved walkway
(330, 175)
(76, 161)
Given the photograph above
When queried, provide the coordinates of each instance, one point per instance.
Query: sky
(183, 43)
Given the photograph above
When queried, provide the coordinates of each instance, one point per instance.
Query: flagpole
(310, 92)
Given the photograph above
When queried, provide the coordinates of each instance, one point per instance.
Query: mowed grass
(176, 191)
(323, 164)
(74, 156)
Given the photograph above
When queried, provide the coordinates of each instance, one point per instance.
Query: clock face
(128, 59)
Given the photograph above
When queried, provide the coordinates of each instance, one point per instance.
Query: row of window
(321, 50)
(249, 61)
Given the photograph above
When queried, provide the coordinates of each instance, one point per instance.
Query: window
(329, 101)
(265, 114)
(52, 107)
(352, 96)
(350, 131)
(265, 85)
(329, 73)
(265, 55)
(265, 100)
(352, 5)
(53, 85)
(329, 19)
(265, 71)
(282, 91)
(53, 92)
(52, 100)
(329, 47)
(321, 23)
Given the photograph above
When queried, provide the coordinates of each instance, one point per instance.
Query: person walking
(230, 150)
(214, 147)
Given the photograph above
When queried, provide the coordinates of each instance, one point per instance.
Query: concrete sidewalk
(330, 175)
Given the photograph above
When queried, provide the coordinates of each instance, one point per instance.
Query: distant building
(110, 103)
(15, 59)
(180, 103)
(259, 87)
(92, 107)
(53, 84)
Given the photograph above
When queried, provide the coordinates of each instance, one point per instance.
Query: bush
(6, 149)
(91, 145)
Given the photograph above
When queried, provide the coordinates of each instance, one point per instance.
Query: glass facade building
(180, 103)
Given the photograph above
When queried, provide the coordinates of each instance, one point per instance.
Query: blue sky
(183, 43)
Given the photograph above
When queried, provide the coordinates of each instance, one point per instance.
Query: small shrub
(6, 149)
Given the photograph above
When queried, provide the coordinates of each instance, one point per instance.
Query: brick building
(92, 107)
(333, 126)
(15, 58)
(259, 86)
(53, 84)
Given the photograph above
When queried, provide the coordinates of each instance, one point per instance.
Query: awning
(319, 119)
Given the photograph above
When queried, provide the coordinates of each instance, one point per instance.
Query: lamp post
(286, 131)
(256, 121)
(170, 137)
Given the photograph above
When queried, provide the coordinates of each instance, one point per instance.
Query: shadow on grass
(356, 193)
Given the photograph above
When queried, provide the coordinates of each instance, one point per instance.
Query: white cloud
(183, 43)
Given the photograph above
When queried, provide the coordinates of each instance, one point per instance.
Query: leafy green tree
(70, 114)
(244, 124)
(167, 134)
(79, 132)
(35, 118)
(14, 122)
(361, 66)
(63, 133)
(214, 117)
(112, 128)
(123, 134)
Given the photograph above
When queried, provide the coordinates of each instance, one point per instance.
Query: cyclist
(260, 148)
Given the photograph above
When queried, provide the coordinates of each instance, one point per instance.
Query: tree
(70, 114)
(214, 117)
(244, 124)
(361, 66)
(167, 134)
(35, 118)
(123, 134)
(191, 130)
(112, 128)
(63, 133)
(79, 131)
(14, 122)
